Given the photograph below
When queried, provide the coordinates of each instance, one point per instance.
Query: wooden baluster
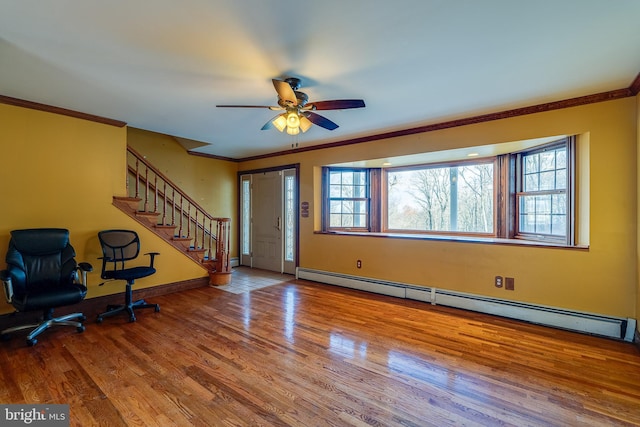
(146, 193)
(196, 228)
(126, 179)
(210, 254)
(155, 194)
(164, 203)
(189, 220)
(180, 233)
(137, 178)
(173, 210)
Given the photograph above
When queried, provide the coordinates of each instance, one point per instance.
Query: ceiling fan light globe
(293, 131)
(293, 121)
(280, 123)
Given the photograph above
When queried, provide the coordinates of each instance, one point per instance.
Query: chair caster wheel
(80, 328)
(83, 318)
(132, 319)
(99, 319)
(157, 309)
(31, 342)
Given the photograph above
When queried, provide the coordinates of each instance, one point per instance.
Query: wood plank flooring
(299, 353)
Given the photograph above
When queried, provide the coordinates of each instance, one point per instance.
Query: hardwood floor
(300, 353)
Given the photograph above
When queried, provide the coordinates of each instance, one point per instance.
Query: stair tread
(147, 213)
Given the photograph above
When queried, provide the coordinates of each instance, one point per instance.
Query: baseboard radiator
(589, 323)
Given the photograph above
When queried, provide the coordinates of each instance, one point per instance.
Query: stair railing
(174, 208)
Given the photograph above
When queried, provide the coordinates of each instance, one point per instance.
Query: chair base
(48, 322)
(112, 310)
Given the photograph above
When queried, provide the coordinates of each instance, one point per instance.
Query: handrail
(166, 179)
(159, 195)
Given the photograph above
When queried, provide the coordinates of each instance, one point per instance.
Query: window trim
(373, 210)
(569, 237)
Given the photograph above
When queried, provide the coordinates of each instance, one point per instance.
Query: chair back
(40, 258)
(118, 246)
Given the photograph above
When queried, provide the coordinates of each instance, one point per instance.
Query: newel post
(221, 273)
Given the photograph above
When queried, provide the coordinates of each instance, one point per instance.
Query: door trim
(296, 167)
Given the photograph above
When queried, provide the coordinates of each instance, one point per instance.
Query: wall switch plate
(509, 283)
(498, 281)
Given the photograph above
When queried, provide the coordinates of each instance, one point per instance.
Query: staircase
(158, 204)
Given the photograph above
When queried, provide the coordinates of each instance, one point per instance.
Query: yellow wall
(602, 279)
(59, 171)
(62, 172)
(210, 182)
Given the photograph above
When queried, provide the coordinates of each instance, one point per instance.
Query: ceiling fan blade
(268, 125)
(321, 121)
(284, 91)
(337, 104)
(271, 107)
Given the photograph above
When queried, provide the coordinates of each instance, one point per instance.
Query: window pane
(543, 201)
(547, 161)
(558, 225)
(457, 199)
(359, 191)
(348, 198)
(335, 207)
(561, 179)
(547, 181)
(543, 214)
(561, 158)
(531, 182)
(289, 215)
(559, 204)
(246, 216)
(531, 164)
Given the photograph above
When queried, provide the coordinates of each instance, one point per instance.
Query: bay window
(526, 195)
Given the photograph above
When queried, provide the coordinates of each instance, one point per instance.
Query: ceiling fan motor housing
(294, 82)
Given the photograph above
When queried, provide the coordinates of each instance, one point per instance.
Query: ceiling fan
(298, 112)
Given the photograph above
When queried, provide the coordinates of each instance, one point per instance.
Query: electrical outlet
(498, 281)
(509, 283)
(359, 264)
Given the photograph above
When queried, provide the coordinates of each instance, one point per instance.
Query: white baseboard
(589, 323)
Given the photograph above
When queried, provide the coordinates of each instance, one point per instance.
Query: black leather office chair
(42, 274)
(118, 247)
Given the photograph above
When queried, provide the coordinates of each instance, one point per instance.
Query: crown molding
(549, 106)
(58, 110)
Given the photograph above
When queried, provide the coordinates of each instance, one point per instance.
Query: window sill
(461, 239)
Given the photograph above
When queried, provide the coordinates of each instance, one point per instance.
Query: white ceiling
(163, 65)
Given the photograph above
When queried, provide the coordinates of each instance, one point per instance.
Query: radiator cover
(588, 323)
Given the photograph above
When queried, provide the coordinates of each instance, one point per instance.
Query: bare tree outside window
(449, 198)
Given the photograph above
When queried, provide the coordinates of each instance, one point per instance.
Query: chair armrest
(8, 287)
(83, 267)
(153, 257)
